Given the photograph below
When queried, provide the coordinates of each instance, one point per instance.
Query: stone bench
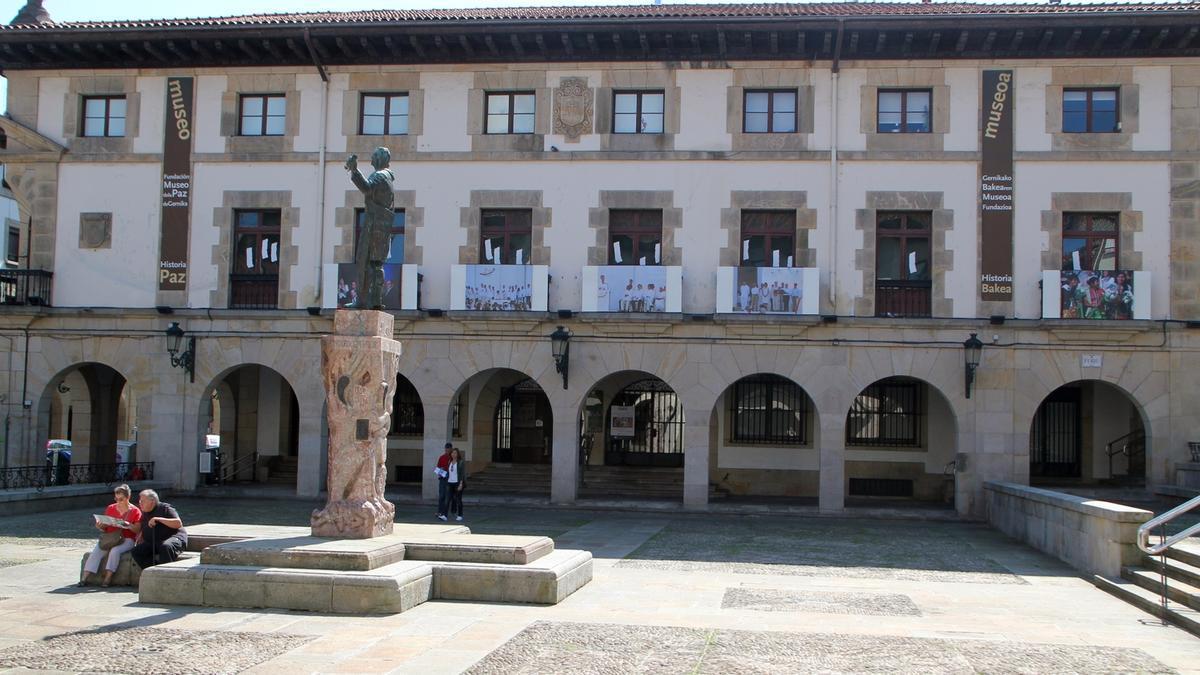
(127, 574)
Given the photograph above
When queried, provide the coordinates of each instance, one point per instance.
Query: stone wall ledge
(60, 497)
(1092, 507)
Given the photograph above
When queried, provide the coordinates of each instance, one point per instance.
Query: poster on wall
(996, 187)
(1097, 295)
(500, 288)
(768, 290)
(621, 421)
(176, 193)
(632, 288)
(348, 291)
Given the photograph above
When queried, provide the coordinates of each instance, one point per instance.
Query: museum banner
(996, 187)
(176, 186)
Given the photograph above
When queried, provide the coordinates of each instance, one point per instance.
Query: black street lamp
(185, 359)
(560, 343)
(972, 350)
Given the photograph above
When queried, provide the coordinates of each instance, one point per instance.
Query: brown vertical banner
(996, 187)
(176, 186)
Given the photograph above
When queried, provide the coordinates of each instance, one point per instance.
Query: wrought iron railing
(1133, 446)
(25, 287)
(253, 291)
(896, 298)
(41, 477)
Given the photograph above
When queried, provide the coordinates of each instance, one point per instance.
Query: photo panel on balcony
(637, 288)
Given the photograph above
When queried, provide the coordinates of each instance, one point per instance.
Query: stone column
(564, 470)
(832, 495)
(437, 434)
(696, 441)
(359, 364)
(311, 445)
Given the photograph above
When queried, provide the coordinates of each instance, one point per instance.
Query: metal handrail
(231, 470)
(1129, 439)
(1143, 533)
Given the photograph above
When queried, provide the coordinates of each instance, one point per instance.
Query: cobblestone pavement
(672, 591)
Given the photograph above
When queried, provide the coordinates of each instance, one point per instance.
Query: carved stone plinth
(359, 363)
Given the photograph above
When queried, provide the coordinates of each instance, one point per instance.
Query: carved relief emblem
(573, 108)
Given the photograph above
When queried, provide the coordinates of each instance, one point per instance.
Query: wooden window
(384, 115)
(638, 112)
(254, 277)
(262, 115)
(408, 416)
(906, 111)
(769, 111)
(103, 116)
(12, 249)
(635, 237)
(768, 238)
(510, 113)
(887, 413)
(768, 409)
(506, 237)
(902, 275)
(1091, 241)
(396, 250)
(1091, 111)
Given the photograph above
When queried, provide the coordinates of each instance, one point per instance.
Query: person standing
(443, 472)
(162, 538)
(122, 509)
(455, 480)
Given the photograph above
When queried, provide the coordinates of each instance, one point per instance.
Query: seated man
(162, 538)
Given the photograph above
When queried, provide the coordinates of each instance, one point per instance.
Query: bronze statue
(375, 239)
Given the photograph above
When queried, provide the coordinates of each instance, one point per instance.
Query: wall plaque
(95, 230)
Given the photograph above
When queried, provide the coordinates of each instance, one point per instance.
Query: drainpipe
(320, 164)
(833, 167)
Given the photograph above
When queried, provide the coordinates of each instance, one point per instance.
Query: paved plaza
(672, 593)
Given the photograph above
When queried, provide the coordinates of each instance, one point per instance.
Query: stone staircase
(282, 470)
(1141, 585)
(597, 482)
(527, 480)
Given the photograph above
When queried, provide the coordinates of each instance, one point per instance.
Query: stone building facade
(722, 143)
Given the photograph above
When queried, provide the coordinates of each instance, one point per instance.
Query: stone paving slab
(567, 647)
(547, 580)
(826, 602)
(207, 534)
(304, 552)
(150, 651)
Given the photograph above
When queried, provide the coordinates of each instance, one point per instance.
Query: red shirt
(444, 462)
(133, 515)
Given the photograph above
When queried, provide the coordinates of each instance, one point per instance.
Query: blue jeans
(443, 497)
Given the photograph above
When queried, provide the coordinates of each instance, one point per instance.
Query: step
(1185, 553)
(1184, 617)
(1175, 569)
(1150, 580)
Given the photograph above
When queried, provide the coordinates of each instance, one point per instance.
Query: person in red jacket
(443, 471)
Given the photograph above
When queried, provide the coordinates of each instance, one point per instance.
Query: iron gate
(1055, 440)
(657, 435)
(522, 425)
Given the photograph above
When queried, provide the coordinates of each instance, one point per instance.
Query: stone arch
(95, 391)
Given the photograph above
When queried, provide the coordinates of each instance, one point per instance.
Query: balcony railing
(40, 477)
(253, 291)
(902, 299)
(25, 287)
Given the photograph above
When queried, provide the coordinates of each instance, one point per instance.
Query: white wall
(703, 102)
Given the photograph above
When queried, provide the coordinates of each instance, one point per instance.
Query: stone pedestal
(358, 364)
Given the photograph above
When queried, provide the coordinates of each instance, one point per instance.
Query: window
(254, 278)
(638, 112)
(887, 413)
(13, 246)
(103, 116)
(1090, 111)
(768, 238)
(769, 112)
(408, 416)
(510, 113)
(902, 280)
(904, 111)
(635, 237)
(384, 115)
(1090, 241)
(506, 237)
(396, 250)
(768, 409)
(263, 115)
(457, 410)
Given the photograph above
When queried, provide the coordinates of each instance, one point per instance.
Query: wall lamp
(560, 344)
(63, 388)
(181, 359)
(972, 350)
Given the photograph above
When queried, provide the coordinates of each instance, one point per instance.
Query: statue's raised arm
(375, 239)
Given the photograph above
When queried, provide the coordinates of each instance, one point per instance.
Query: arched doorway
(523, 425)
(406, 436)
(901, 440)
(1087, 432)
(645, 426)
(90, 409)
(764, 442)
(501, 421)
(250, 420)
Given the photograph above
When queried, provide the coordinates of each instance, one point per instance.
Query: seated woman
(127, 512)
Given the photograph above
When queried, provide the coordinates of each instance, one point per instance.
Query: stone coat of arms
(573, 108)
